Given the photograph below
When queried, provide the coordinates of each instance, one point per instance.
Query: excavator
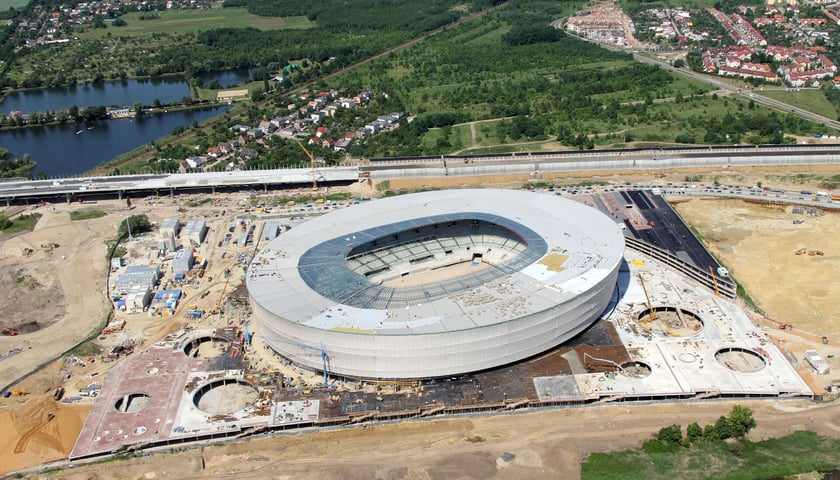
(11, 332)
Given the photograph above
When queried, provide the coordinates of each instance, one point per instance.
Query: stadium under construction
(592, 315)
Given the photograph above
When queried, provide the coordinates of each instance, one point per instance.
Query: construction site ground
(469, 448)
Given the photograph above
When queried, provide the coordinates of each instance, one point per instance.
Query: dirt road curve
(75, 266)
(547, 444)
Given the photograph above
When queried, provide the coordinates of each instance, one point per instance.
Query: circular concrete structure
(435, 284)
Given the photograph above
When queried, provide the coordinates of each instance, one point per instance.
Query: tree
(127, 203)
(671, 434)
(4, 222)
(723, 428)
(710, 433)
(694, 432)
(741, 421)
(136, 223)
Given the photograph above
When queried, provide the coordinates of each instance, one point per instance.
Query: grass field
(23, 223)
(775, 458)
(7, 4)
(811, 99)
(86, 214)
(183, 21)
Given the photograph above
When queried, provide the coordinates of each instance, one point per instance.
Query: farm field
(185, 21)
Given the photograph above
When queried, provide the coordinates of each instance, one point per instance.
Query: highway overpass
(377, 169)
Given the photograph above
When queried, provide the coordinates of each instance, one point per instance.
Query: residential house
(287, 132)
(246, 153)
(342, 144)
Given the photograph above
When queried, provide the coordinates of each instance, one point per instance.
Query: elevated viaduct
(528, 163)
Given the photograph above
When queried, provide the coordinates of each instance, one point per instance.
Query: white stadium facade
(435, 284)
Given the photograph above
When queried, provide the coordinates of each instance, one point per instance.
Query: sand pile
(42, 430)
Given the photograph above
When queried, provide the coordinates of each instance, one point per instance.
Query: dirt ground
(39, 431)
(52, 295)
(39, 284)
(538, 445)
(757, 244)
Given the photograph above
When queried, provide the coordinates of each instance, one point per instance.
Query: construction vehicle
(49, 247)
(801, 251)
(818, 253)
(59, 392)
(311, 165)
(218, 307)
(27, 252)
(9, 331)
(20, 392)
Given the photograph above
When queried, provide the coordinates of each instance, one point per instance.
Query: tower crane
(311, 165)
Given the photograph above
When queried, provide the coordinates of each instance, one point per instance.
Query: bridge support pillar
(8, 201)
(119, 194)
(213, 189)
(68, 197)
(265, 187)
(171, 192)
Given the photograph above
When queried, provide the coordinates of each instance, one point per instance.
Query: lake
(120, 92)
(126, 93)
(61, 152)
